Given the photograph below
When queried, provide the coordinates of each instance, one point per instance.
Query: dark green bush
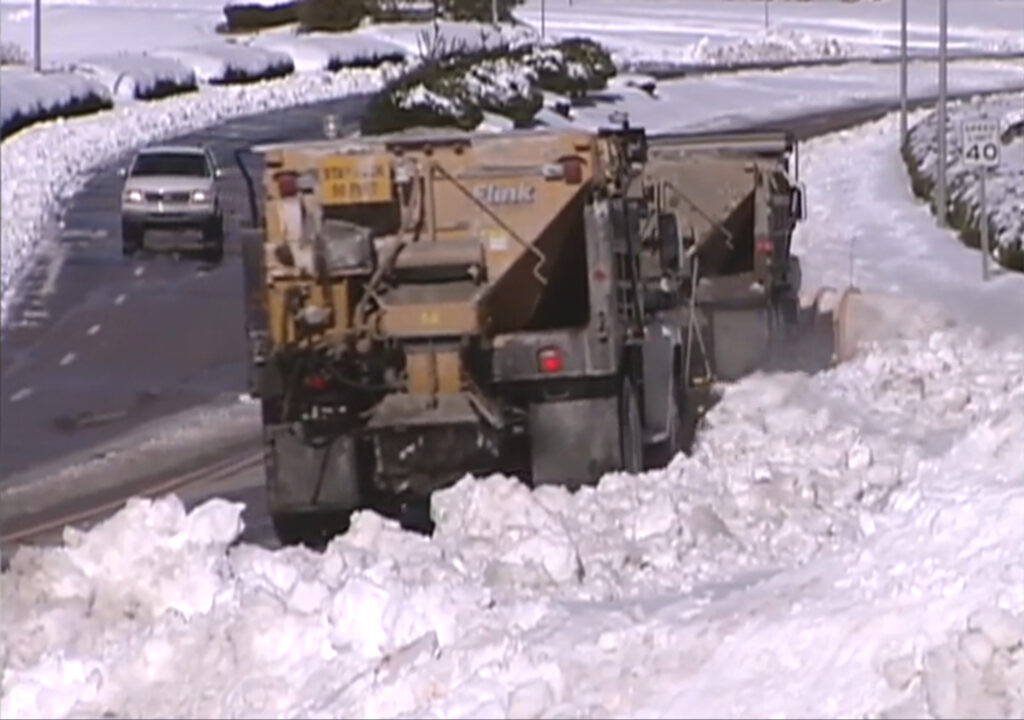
(332, 15)
(572, 67)
(395, 108)
(245, 18)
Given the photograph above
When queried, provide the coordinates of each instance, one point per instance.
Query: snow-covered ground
(721, 32)
(1005, 184)
(866, 227)
(836, 546)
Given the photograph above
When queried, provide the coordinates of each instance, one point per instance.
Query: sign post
(982, 151)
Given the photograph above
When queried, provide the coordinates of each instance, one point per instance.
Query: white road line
(139, 270)
(60, 254)
(120, 299)
(35, 314)
(67, 359)
(21, 394)
(93, 330)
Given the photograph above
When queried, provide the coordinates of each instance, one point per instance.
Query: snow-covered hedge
(332, 51)
(28, 97)
(248, 15)
(220, 63)
(139, 76)
(1005, 189)
(457, 91)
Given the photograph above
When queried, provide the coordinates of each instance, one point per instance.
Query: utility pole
(543, 32)
(941, 190)
(903, 74)
(37, 59)
(766, 21)
(494, 11)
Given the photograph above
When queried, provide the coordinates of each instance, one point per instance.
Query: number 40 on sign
(980, 142)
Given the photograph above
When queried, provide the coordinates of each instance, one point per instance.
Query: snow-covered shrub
(480, 10)
(29, 97)
(248, 15)
(139, 76)
(457, 90)
(1005, 191)
(332, 15)
(12, 54)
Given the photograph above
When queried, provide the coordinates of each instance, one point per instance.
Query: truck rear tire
(631, 432)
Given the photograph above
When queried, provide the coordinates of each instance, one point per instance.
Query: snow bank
(1005, 188)
(446, 36)
(842, 544)
(70, 152)
(775, 46)
(29, 97)
(138, 76)
(324, 51)
(230, 62)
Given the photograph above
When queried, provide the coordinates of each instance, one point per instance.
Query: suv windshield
(188, 164)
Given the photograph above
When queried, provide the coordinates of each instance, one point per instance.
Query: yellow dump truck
(431, 304)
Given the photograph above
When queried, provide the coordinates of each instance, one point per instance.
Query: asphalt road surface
(99, 343)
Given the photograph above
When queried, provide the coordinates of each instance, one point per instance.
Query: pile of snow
(841, 544)
(130, 76)
(325, 51)
(230, 62)
(1005, 188)
(447, 36)
(71, 152)
(775, 47)
(28, 96)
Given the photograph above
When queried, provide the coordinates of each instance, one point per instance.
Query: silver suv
(172, 187)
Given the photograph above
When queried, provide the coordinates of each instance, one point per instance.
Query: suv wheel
(132, 236)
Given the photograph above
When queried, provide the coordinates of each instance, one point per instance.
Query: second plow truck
(539, 303)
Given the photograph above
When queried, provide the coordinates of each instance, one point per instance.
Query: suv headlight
(134, 196)
(200, 196)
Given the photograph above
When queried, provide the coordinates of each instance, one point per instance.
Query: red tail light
(573, 167)
(764, 245)
(317, 382)
(549, 360)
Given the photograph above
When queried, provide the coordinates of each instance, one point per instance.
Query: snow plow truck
(541, 303)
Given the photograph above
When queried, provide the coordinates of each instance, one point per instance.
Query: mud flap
(302, 477)
(574, 442)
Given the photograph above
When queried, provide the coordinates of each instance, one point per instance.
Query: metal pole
(766, 15)
(941, 196)
(38, 40)
(903, 74)
(494, 11)
(985, 249)
(543, 32)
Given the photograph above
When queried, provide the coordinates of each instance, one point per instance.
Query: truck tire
(132, 235)
(631, 432)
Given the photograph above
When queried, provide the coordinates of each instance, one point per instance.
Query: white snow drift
(842, 544)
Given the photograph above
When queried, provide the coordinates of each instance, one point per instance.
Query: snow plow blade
(831, 326)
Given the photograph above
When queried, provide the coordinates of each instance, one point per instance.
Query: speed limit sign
(980, 142)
